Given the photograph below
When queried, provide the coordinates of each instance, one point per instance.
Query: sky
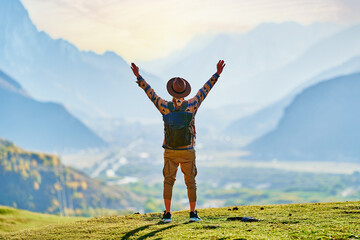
(147, 30)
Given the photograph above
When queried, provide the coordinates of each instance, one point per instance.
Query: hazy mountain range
(37, 125)
(321, 123)
(88, 84)
(263, 49)
(328, 53)
(266, 68)
(266, 119)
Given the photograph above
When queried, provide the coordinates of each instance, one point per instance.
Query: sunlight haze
(147, 30)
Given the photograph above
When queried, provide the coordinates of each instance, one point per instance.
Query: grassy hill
(12, 219)
(294, 221)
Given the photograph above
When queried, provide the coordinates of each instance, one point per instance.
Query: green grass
(12, 219)
(292, 221)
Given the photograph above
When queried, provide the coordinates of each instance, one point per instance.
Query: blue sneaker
(166, 217)
(194, 217)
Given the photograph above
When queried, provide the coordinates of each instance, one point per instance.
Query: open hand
(135, 69)
(220, 66)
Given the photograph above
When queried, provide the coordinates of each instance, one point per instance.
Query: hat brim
(173, 93)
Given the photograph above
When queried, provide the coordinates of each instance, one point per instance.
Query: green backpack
(177, 126)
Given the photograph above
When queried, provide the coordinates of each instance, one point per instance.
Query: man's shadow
(150, 234)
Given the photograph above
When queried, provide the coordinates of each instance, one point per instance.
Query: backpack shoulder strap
(171, 106)
(184, 105)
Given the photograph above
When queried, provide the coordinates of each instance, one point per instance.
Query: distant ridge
(263, 49)
(266, 119)
(321, 123)
(43, 126)
(90, 85)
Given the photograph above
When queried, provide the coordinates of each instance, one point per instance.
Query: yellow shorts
(186, 159)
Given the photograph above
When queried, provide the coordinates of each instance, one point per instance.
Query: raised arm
(203, 92)
(159, 103)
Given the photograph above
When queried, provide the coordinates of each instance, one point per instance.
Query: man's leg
(169, 171)
(167, 204)
(188, 167)
(192, 206)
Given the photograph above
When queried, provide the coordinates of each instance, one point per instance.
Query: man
(179, 124)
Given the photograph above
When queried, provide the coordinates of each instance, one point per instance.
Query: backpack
(178, 126)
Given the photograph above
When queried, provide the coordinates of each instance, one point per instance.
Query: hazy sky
(145, 30)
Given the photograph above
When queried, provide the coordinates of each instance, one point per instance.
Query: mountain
(321, 56)
(321, 123)
(267, 47)
(90, 85)
(262, 121)
(36, 125)
(40, 182)
(264, 64)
